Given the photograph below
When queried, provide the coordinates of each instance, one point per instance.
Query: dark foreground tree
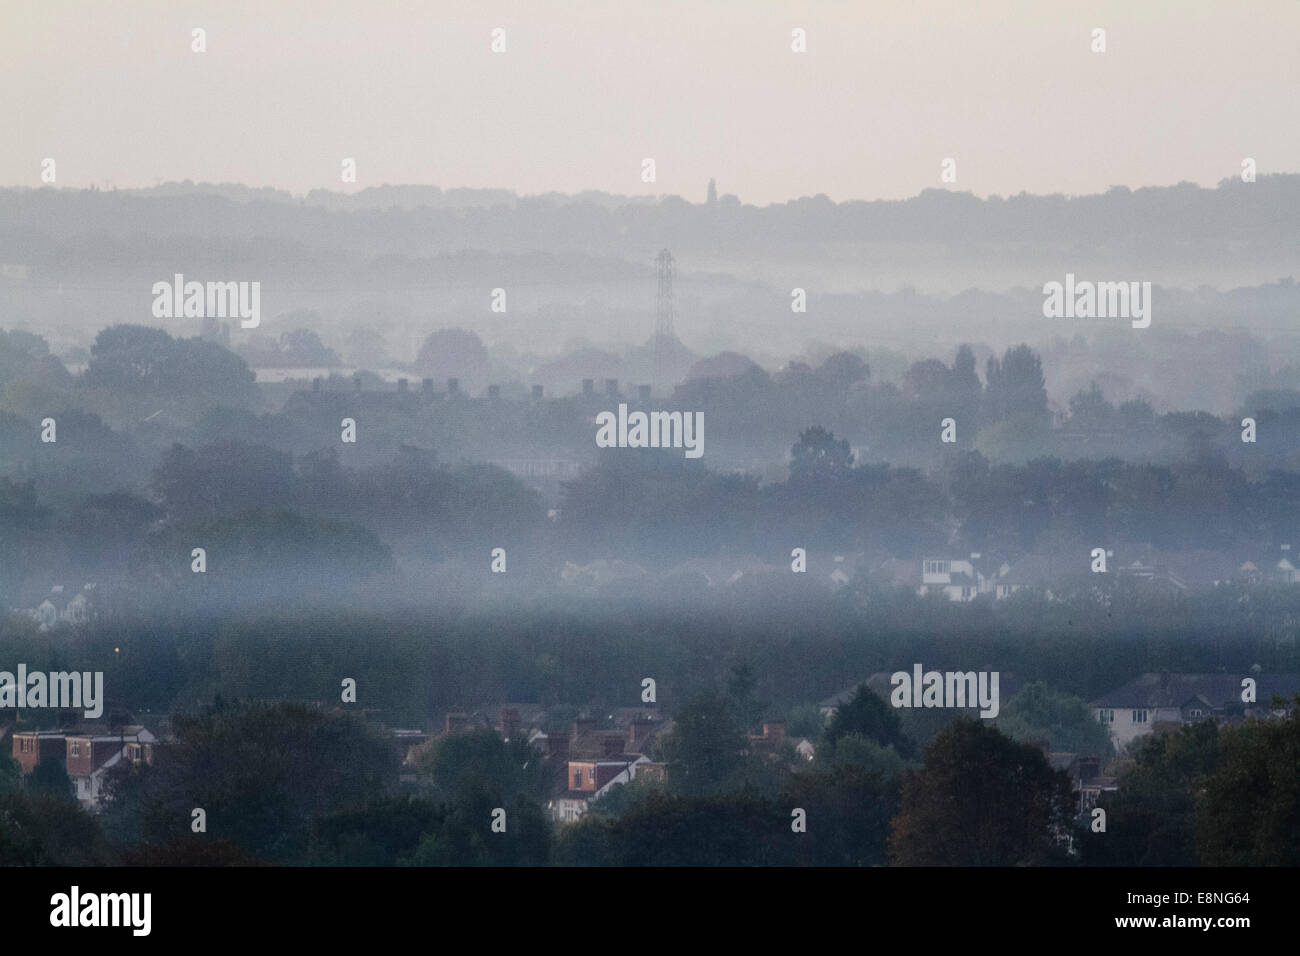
(981, 800)
(705, 749)
(1151, 817)
(866, 713)
(1250, 811)
(261, 774)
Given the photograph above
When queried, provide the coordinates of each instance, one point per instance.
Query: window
(74, 749)
(1196, 712)
(577, 779)
(1106, 716)
(591, 774)
(1139, 716)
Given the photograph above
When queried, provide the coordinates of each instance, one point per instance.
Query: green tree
(867, 714)
(50, 776)
(818, 457)
(705, 749)
(1064, 720)
(981, 799)
(740, 689)
(1015, 387)
(40, 828)
(139, 359)
(464, 836)
(262, 773)
(1250, 811)
(805, 720)
(462, 764)
(21, 518)
(855, 750)
(847, 813)
(1151, 817)
(672, 830)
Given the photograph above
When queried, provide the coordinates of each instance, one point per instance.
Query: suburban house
(1085, 777)
(87, 756)
(958, 579)
(1266, 570)
(590, 780)
(62, 605)
(33, 747)
(91, 756)
(964, 579)
(773, 741)
(1134, 710)
(596, 761)
(1180, 570)
(1285, 572)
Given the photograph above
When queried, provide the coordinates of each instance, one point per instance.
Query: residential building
(32, 747)
(87, 756)
(90, 756)
(1139, 707)
(596, 761)
(63, 606)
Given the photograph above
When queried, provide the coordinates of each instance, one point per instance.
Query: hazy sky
(585, 90)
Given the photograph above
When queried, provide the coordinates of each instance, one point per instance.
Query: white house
(63, 606)
(960, 579)
(1132, 711)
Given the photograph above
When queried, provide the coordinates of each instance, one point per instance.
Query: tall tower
(664, 335)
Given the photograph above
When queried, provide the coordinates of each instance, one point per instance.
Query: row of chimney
(558, 743)
(494, 391)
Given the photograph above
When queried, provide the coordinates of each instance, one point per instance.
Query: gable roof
(1217, 690)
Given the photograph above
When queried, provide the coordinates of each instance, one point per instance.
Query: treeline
(425, 218)
(144, 391)
(260, 511)
(567, 652)
(282, 784)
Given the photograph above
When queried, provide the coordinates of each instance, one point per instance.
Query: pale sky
(707, 88)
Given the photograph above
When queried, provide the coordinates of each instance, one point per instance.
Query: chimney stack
(643, 392)
(426, 386)
(537, 393)
(494, 392)
(453, 387)
(401, 386)
(640, 727)
(456, 722)
(588, 386)
(509, 721)
(356, 383)
(315, 384)
(611, 387)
